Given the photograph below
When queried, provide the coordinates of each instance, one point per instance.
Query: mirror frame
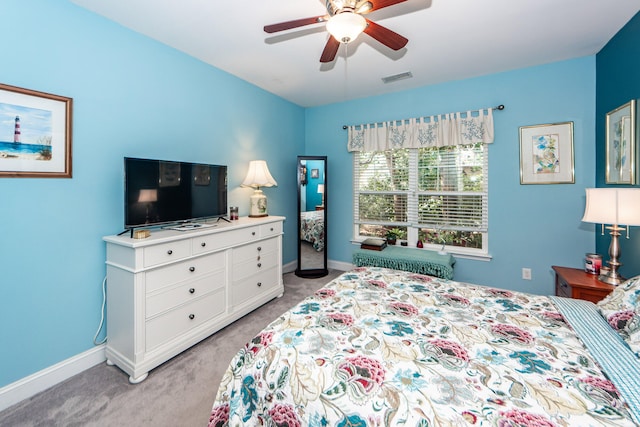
(311, 272)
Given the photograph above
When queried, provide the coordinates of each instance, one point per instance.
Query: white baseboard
(336, 265)
(290, 267)
(46, 378)
(339, 265)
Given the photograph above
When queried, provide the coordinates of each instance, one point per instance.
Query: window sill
(475, 257)
(457, 254)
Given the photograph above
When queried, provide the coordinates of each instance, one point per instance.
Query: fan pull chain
(346, 72)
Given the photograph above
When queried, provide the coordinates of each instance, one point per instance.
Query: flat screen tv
(164, 192)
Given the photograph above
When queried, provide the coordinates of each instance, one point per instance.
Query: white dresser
(169, 291)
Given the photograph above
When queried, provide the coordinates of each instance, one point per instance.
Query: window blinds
(434, 188)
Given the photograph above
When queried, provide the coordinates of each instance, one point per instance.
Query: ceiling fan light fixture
(346, 26)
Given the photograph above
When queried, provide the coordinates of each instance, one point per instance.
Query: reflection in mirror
(312, 216)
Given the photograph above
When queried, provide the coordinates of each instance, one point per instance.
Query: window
(438, 195)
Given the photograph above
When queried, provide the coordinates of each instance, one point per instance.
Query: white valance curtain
(433, 131)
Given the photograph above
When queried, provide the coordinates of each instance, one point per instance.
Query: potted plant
(394, 234)
(391, 237)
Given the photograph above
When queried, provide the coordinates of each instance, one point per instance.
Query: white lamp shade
(258, 175)
(346, 26)
(629, 206)
(617, 206)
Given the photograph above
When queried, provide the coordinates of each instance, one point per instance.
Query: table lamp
(258, 176)
(620, 208)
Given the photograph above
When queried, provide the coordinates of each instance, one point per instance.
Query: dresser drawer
(254, 250)
(166, 252)
(182, 271)
(170, 297)
(254, 265)
(593, 295)
(253, 286)
(174, 323)
(214, 241)
(273, 229)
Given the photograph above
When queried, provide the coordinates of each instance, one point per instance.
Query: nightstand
(576, 283)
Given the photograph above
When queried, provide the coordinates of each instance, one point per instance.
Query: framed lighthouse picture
(35, 134)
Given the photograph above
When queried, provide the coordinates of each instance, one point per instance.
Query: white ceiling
(448, 40)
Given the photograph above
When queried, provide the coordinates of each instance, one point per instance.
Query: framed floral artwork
(35, 134)
(546, 154)
(621, 145)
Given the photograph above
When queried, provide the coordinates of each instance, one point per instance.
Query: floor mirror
(312, 216)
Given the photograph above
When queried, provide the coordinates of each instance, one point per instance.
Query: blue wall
(534, 226)
(617, 66)
(132, 97)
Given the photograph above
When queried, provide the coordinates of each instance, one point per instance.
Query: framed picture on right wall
(621, 145)
(546, 154)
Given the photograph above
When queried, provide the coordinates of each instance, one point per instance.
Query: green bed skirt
(408, 259)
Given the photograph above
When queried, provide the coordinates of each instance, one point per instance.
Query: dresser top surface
(161, 235)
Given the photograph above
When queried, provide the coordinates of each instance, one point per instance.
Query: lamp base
(611, 277)
(258, 204)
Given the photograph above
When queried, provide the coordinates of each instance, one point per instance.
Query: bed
(380, 347)
(312, 228)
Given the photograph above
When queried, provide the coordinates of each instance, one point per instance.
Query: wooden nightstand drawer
(562, 288)
(576, 283)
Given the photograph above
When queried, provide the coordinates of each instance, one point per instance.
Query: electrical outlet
(526, 273)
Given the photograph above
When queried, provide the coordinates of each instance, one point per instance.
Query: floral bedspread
(312, 228)
(379, 347)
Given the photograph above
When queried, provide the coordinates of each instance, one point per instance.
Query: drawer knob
(192, 269)
(259, 248)
(259, 264)
(192, 291)
(253, 233)
(259, 284)
(169, 252)
(271, 229)
(203, 244)
(192, 316)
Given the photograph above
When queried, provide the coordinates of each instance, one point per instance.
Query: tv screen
(161, 192)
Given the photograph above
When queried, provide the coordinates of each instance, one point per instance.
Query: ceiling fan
(345, 22)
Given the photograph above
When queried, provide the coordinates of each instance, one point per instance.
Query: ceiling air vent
(401, 76)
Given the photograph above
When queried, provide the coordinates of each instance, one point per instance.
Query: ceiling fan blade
(330, 50)
(379, 4)
(274, 28)
(385, 36)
